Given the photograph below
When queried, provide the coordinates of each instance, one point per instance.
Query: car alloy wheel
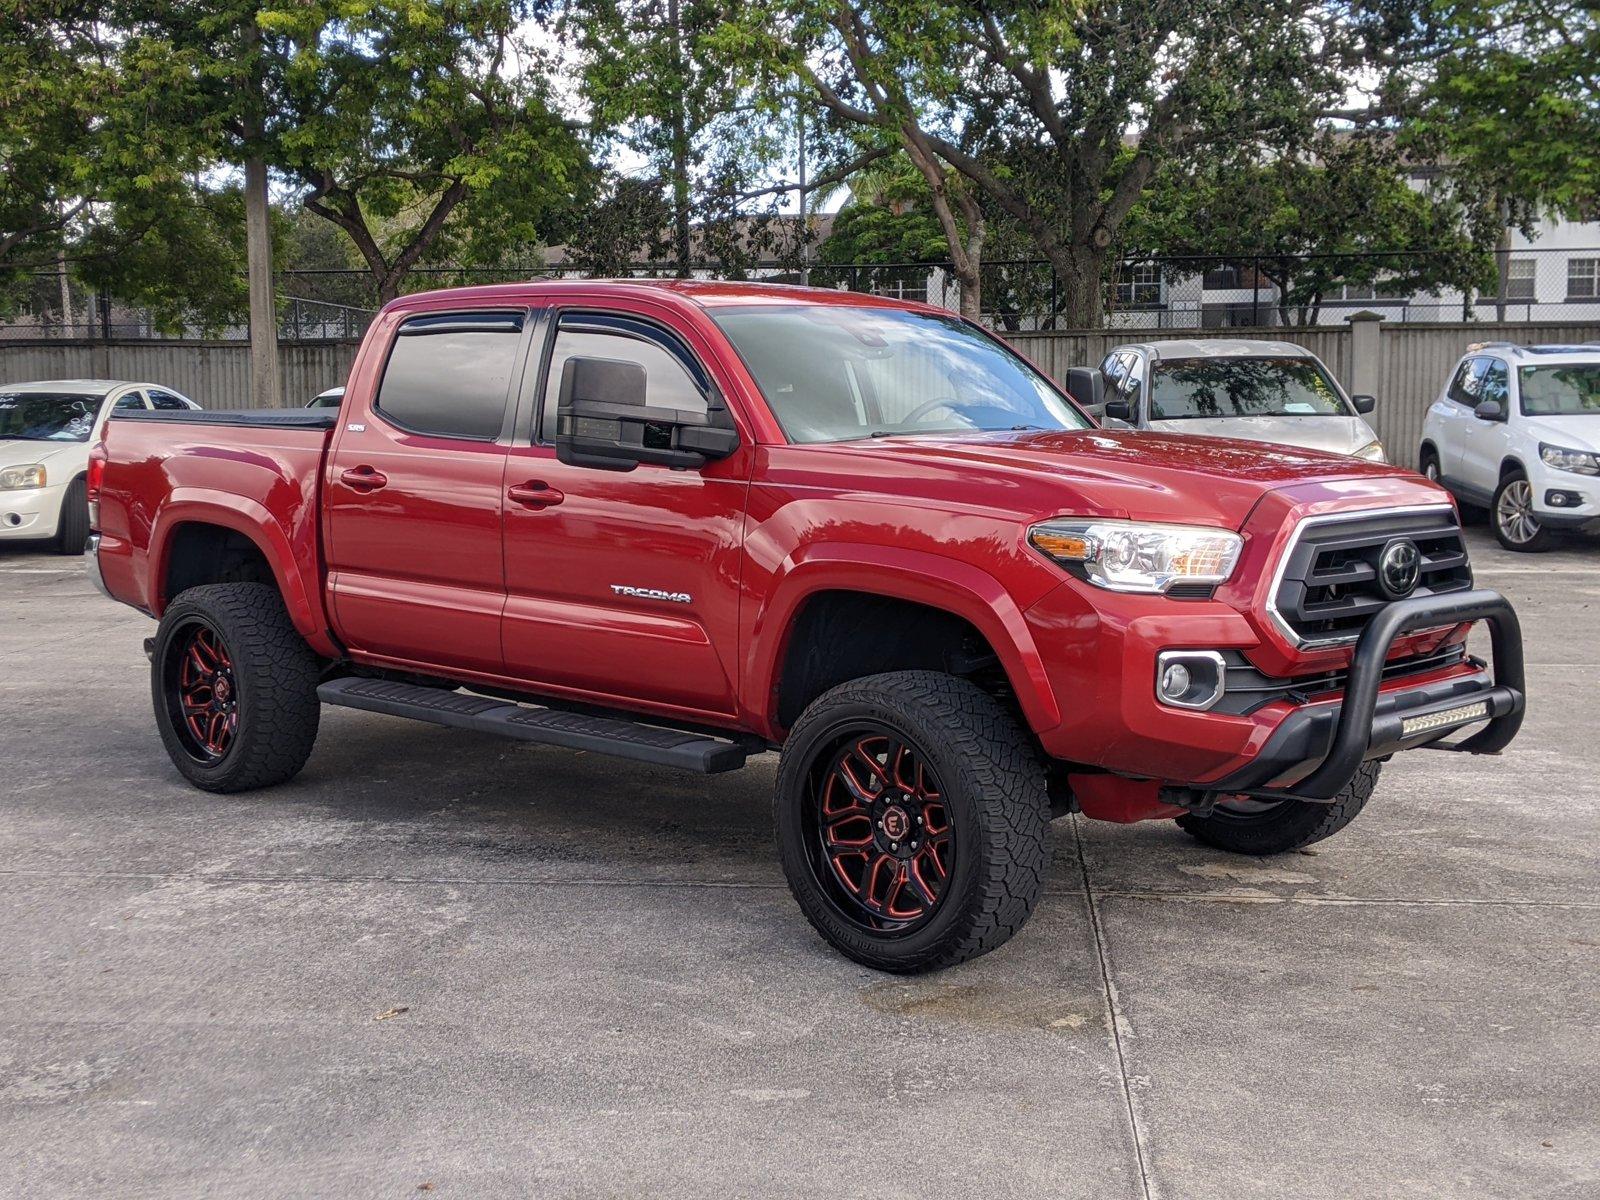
(1513, 513)
(882, 846)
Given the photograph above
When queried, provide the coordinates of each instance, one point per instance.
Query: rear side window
(166, 401)
(449, 374)
(1464, 387)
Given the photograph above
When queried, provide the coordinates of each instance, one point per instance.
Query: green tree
(1059, 114)
(423, 130)
(1343, 213)
(92, 134)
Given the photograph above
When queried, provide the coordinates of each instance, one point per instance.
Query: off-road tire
(993, 782)
(1288, 826)
(275, 677)
(72, 528)
(1540, 541)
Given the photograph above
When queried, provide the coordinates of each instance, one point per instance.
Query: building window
(1519, 279)
(1140, 287)
(1227, 276)
(1583, 278)
(1356, 291)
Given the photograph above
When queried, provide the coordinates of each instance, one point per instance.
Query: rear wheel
(913, 822)
(72, 528)
(234, 687)
(1249, 825)
(1515, 525)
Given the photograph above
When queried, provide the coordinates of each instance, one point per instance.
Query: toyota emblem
(1399, 568)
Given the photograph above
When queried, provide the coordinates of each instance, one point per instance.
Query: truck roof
(704, 293)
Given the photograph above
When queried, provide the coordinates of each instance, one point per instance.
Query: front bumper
(1315, 752)
(31, 512)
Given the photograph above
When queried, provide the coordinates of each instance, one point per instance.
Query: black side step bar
(619, 737)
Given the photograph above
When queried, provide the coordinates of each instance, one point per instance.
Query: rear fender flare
(943, 583)
(203, 506)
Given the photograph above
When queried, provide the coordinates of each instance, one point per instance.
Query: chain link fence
(1542, 284)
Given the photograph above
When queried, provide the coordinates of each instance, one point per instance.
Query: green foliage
(1343, 213)
(93, 136)
(1512, 104)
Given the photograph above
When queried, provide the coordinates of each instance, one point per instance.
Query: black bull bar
(1338, 738)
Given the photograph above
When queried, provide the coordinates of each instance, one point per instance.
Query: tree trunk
(681, 236)
(265, 390)
(971, 278)
(1080, 273)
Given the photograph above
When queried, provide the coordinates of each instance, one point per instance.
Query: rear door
(1453, 415)
(623, 584)
(412, 494)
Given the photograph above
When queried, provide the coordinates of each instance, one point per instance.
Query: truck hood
(1336, 435)
(1134, 475)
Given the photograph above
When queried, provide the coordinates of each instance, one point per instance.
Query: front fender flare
(944, 583)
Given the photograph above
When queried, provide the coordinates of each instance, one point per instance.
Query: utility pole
(265, 390)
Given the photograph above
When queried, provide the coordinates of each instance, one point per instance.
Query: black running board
(615, 736)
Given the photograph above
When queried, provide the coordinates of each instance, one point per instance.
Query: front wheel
(72, 527)
(1250, 825)
(913, 822)
(1515, 526)
(234, 687)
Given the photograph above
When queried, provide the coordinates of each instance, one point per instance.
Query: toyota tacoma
(684, 523)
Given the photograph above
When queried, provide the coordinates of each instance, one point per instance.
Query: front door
(1484, 443)
(623, 584)
(413, 494)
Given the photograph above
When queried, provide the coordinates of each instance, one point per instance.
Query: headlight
(1372, 452)
(12, 478)
(1129, 556)
(1562, 459)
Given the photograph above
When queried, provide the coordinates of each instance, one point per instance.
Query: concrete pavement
(592, 983)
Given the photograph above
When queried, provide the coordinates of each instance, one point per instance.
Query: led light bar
(1450, 716)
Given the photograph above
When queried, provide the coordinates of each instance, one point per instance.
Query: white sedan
(46, 432)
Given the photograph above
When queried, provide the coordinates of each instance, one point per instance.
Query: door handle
(535, 495)
(363, 479)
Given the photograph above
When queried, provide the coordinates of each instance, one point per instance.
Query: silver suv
(1230, 387)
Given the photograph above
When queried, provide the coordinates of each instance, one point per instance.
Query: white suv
(1517, 431)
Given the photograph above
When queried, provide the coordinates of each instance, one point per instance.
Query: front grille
(1329, 587)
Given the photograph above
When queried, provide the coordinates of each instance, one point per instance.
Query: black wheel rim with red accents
(201, 691)
(881, 844)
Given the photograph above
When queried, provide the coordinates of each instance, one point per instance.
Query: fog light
(1174, 681)
(1562, 499)
(1190, 678)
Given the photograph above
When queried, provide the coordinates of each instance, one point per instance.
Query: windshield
(48, 416)
(834, 373)
(1566, 391)
(1185, 389)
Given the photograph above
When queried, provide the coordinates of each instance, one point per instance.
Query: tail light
(97, 476)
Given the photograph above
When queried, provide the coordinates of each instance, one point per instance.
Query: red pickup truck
(684, 522)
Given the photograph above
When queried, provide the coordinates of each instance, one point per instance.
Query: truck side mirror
(604, 420)
(1489, 410)
(1088, 387)
(1119, 410)
(1364, 404)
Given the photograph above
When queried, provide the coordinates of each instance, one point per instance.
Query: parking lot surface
(446, 962)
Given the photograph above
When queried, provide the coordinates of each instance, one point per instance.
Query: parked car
(331, 398)
(46, 430)
(682, 522)
(1517, 431)
(1230, 387)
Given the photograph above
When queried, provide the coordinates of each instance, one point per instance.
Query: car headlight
(1562, 459)
(1130, 556)
(1372, 452)
(12, 478)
